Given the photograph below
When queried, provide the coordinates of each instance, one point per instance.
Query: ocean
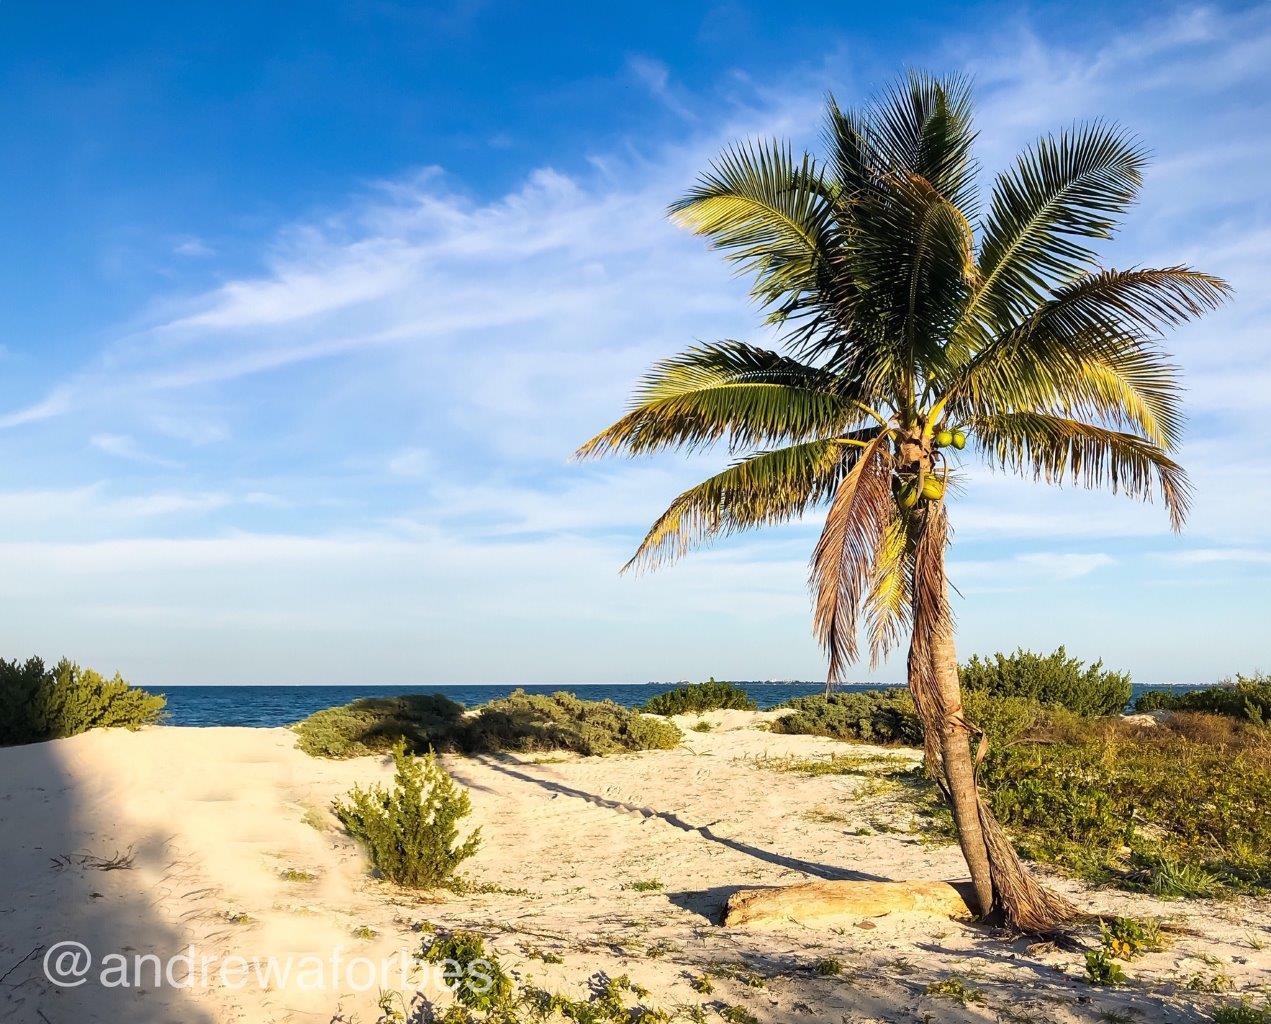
(267, 706)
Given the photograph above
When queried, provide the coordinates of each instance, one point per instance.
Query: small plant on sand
(1127, 938)
(1102, 968)
(701, 983)
(476, 978)
(1211, 983)
(737, 1014)
(828, 967)
(39, 704)
(364, 932)
(644, 885)
(708, 696)
(411, 832)
(702, 726)
(956, 989)
(296, 875)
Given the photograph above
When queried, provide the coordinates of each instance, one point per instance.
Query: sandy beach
(618, 865)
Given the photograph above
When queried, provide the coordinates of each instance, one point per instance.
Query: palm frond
(1056, 448)
(887, 606)
(862, 509)
(1061, 192)
(762, 490)
(1089, 351)
(751, 395)
(766, 209)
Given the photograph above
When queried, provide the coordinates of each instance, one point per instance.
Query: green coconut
(933, 488)
(908, 494)
(944, 438)
(959, 440)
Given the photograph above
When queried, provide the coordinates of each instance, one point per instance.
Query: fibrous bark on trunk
(1004, 887)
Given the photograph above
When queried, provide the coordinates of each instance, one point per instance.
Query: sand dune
(234, 852)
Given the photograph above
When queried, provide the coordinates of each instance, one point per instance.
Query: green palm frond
(752, 395)
(764, 489)
(767, 211)
(1055, 449)
(1088, 351)
(1062, 191)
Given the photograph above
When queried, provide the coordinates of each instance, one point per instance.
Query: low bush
(520, 722)
(871, 716)
(708, 696)
(39, 704)
(411, 832)
(889, 716)
(527, 722)
(1179, 809)
(1050, 679)
(374, 725)
(1244, 697)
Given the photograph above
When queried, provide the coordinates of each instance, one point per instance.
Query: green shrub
(528, 722)
(45, 704)
(708, 696)
(1244, 697)
(889, 716)
(411, 831)
(1052, 679)
(521, 722)
(871, 716)
(1180, 809)
(374, 725)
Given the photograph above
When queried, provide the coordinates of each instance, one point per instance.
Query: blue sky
(304, 306)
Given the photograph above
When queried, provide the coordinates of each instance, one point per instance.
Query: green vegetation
(1128, 938)
(485, 992)
(411, 831)
(1180, 809)
(828, 967)
(1244, 697)
(1102, 968)
(39, 704)
(1051, 679)
(528, 722)
(296, 875)
(888, 716)
(374, 725)
(521, 722)
(1242, 1013)
(708, 696)
(956, 989)
(644, 885)
(871, 716)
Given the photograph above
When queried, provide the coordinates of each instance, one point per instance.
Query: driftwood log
(824, 901)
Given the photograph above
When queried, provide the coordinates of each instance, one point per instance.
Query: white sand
(215, 817)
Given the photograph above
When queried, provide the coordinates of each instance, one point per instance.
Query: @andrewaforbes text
(70, 964)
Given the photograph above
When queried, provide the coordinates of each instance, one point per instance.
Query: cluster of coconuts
(907, 490)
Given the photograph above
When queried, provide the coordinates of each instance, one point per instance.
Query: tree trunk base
(825, 902)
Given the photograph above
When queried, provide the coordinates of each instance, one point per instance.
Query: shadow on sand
(60, 886)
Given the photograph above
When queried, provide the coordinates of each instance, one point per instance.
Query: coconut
(933, 488)
(959, 440)
(944, 438)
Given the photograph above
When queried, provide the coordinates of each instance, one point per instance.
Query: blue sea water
(265, 706)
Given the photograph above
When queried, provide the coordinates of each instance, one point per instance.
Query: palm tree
(907, 331)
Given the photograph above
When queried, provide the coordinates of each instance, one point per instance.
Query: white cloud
(124, 447)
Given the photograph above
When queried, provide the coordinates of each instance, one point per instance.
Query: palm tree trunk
(1004, 887)
(959, 767)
